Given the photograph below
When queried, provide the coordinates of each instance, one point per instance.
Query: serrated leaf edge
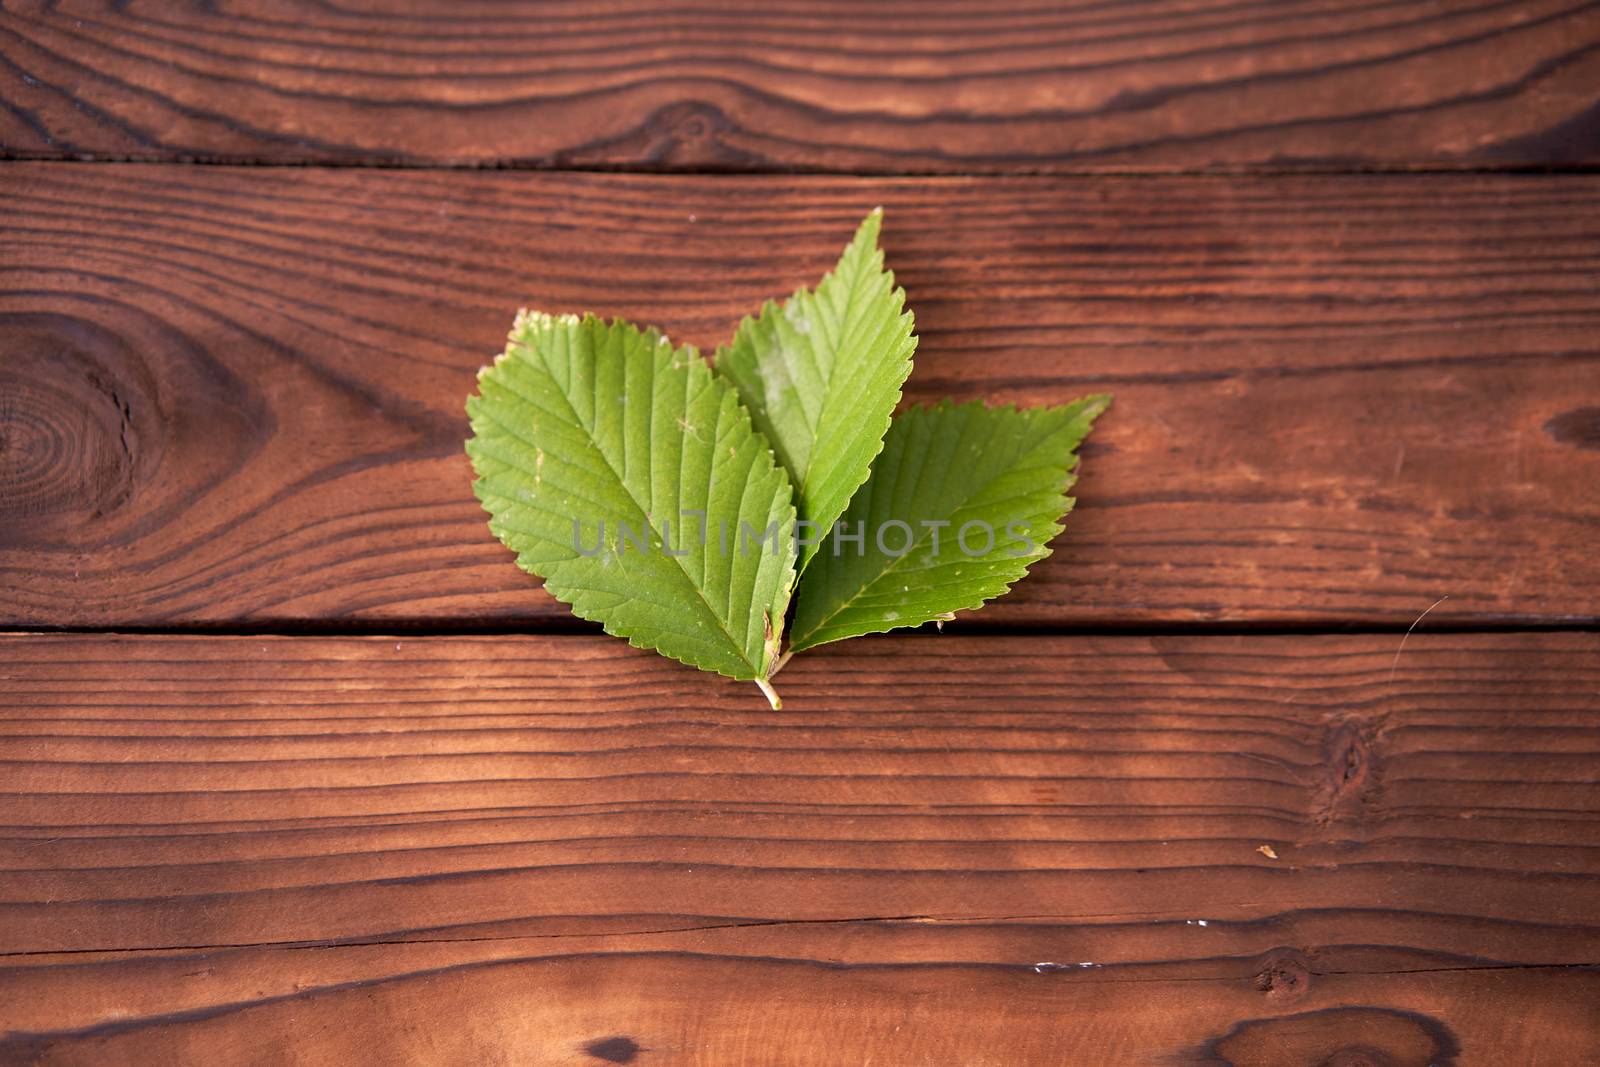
(878, 264)
(1094, 406)
(526, 319)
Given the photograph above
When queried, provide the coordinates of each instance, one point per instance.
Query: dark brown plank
(1180, 850)
(236, 395)
(890, 86)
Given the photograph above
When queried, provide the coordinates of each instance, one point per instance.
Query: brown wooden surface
(231, 402)
(909, 86)
(946, 850)
(235, 395)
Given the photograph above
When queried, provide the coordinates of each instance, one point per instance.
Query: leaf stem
(782, 660)
(771, 694)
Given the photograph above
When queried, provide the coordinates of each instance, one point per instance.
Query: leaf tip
(867, 232)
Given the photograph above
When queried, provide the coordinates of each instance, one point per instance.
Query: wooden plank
(236, 395)
(890, 86)
(1166, 849)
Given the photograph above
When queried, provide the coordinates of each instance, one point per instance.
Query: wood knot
(73, 424)
(620, 1049)
(1579, 427)
(685, 134)
(1284, 977)
(1335, 1037)
(1350, 774)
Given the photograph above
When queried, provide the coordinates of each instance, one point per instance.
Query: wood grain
(890, 86)
(1186, 850)
(234, 396)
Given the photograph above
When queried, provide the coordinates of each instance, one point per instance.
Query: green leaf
(602, 424)
(821, 375)
(1001, 469)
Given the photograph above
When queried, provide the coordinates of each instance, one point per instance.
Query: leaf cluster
(731, 513)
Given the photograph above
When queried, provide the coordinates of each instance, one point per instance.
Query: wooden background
(296, 767)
